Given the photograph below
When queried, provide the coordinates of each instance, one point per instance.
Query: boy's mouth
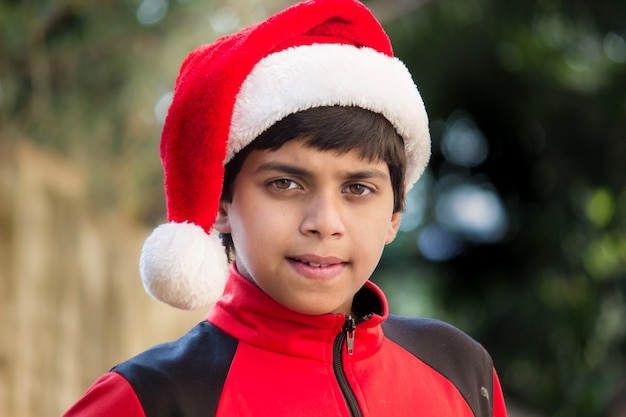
(318, 268)
(316, 265)
(316, 261)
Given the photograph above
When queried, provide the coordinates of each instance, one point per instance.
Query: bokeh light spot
(474, 211)
(463, 143)
(151, 12)
(600, 207)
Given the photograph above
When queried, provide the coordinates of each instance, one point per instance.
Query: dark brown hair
(331, 128)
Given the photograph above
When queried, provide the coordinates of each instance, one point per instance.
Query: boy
(296, 140)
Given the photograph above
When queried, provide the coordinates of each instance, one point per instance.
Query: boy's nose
(323, 217)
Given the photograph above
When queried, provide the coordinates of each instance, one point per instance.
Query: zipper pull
(350, 343)
(349, 328)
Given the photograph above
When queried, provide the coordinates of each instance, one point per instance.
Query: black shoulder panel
(450, 352)
(184, 377)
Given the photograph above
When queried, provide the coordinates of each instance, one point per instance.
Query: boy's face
(309, 226)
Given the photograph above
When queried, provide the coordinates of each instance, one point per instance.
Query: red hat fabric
(315, 53)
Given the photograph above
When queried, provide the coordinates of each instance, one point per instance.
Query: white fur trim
(316, 75)
(183, 266)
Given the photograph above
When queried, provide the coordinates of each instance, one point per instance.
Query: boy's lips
(317, 267)
(317, 261)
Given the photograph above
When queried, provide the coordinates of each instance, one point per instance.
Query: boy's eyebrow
(286, 168)
(368, 174)
(302, 172)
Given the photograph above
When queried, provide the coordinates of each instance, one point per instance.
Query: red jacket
(253, 357)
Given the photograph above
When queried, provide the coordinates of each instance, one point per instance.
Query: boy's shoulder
(181, 367)
(432, 338)
(449, 351)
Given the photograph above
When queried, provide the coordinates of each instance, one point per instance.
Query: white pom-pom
(183, 266)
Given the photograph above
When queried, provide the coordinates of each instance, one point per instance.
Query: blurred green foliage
(543, 81)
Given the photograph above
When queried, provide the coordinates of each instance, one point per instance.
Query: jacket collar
(247, 313)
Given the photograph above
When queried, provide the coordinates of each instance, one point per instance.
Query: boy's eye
(358, 189)
(284, 184)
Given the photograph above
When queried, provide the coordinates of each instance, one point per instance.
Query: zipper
(346, 335)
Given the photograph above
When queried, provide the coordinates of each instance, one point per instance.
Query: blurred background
(516, 233)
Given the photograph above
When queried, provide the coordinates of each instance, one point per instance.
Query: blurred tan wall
(71, 300)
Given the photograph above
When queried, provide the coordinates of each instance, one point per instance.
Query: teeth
(313, 264)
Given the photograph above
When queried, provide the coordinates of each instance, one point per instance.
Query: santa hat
(315, 53)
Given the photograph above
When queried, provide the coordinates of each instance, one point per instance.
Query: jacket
(253, 357)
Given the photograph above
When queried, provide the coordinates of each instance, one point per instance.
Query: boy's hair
(329, 128)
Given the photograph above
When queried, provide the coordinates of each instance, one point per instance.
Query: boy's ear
(394, 225)
(222, 223)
